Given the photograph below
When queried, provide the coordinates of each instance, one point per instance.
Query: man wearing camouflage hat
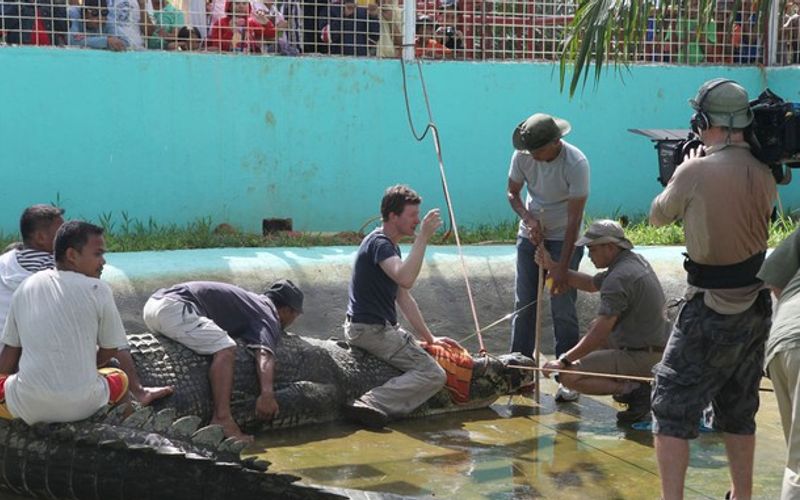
(715, 353)
(628, 334)
(557, 177)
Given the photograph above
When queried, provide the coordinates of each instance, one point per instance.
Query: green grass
(127, 234)
(642, 233)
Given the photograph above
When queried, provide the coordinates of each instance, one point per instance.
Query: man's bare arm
(408, 306)
(575, 279)
(105, 355)
(410, 309)
(9, 359)
(518, 206)
(595, 338)
(266, 405)
(575, 208)
(405, 272)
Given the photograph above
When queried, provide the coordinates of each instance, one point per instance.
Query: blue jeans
(562, 307)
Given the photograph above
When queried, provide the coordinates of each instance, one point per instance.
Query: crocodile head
(501, 375)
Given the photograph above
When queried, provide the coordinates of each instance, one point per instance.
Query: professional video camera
(774, 137)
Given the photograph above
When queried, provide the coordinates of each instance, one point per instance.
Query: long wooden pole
(538, 370)
(538, 331)
(604, 375)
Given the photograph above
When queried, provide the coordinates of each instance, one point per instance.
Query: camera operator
(715, 352)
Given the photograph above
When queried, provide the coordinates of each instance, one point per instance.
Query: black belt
(722, 277)
(369, 320)
(650, 348)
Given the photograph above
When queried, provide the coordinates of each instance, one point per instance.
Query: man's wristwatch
(566, 363)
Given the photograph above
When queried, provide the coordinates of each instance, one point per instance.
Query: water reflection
(514, 450)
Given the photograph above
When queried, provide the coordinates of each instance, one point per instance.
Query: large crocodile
(161, 452)
(146, 456)
(314, 380)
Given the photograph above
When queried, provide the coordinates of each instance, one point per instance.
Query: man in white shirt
(37, 226)
(57, 321)
(556, 177)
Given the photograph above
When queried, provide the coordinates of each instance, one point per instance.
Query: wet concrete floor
(516, 450)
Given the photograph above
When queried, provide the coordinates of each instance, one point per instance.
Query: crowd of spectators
(288, 27)
(445, 29)
(676, 35)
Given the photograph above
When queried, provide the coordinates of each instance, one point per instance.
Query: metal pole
(409, 29)
(772, 37)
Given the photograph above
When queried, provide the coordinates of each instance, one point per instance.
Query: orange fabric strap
(457, 363)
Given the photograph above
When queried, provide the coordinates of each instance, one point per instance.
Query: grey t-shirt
(630, 290)
(550, 186)
(782, 270)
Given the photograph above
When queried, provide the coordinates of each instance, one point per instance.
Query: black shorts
(711, 357)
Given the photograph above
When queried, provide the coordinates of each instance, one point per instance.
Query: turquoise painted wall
(180, 136)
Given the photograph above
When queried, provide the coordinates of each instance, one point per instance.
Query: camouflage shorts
(711, 357)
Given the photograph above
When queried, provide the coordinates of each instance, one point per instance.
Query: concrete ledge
(324, 274)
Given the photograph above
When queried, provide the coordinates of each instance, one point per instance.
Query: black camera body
(774, 138)
(775, 132)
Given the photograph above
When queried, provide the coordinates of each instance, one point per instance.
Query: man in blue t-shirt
(380, 280)
(207, 316)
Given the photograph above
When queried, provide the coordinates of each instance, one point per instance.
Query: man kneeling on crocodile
(629, 333)
(207, 316)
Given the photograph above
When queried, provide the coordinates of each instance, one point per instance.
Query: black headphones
(700, 119)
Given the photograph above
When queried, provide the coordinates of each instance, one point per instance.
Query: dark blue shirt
(353, 35)
(243, 315)
(372, 292)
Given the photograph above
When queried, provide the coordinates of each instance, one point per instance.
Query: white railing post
(409, 28)
(775, 21)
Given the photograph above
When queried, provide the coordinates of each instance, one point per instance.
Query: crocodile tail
(145, 456)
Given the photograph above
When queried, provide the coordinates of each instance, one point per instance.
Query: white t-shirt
(11, 275)
(59, 318)
(550, 186)
(124, 18)
(15, 267)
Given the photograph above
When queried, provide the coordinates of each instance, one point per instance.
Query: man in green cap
(628, 334)
(715, 352)
(557, 177)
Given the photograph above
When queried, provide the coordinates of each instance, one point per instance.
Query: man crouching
(629, 333)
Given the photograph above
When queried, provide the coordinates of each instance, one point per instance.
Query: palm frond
(615, 31)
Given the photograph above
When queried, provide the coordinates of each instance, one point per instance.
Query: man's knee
(226, 355)
(117, 381)
(569, 380)
(434, 375)
(151, 312)
(675, 413)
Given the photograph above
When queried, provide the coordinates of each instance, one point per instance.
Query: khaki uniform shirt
(630, 290)
(725, 200)
(782, 270)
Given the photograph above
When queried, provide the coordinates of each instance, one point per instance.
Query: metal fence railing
(529, 30)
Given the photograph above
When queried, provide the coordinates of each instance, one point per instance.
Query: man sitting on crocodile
(207, 316)
(57, 319)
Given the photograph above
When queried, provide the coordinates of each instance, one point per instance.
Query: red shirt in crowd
(252, 34)
(39, 35)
